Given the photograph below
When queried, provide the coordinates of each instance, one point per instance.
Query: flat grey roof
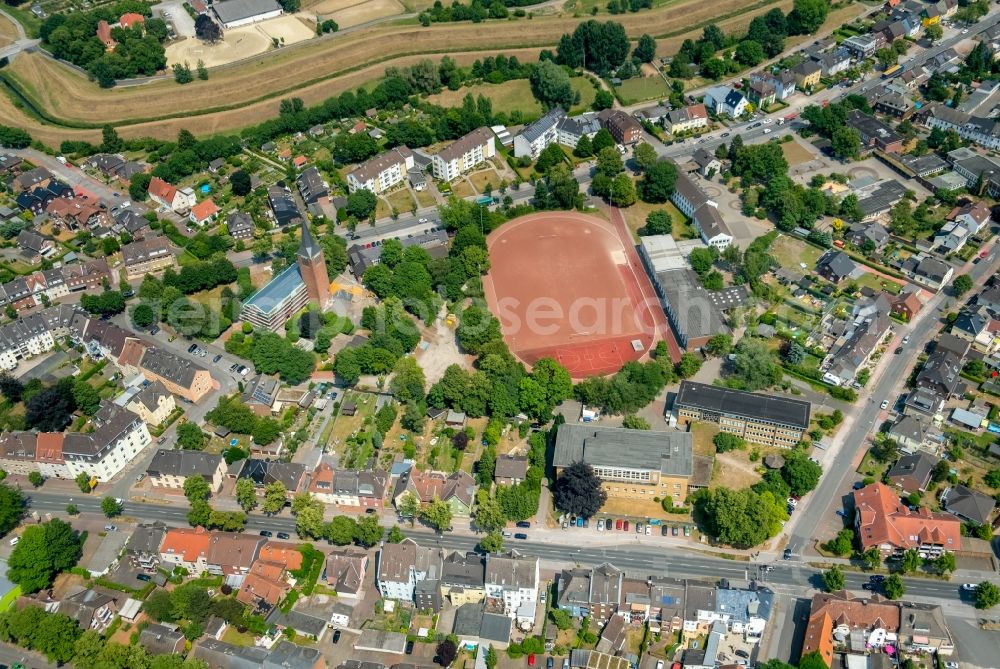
(669, 453)
(771, 408)
(237, 10)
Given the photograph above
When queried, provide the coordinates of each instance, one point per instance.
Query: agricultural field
(313, 70)
(8, 32)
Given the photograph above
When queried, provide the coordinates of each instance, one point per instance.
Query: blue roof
(277, 291)
(737, 603)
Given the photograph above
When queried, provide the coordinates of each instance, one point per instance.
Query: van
(507, 534)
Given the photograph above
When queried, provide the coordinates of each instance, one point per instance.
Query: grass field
(314, 70)
(8, 31)
(640, 89)
(876, 282)
(424, 199)
(248, 93)
(790, 252)
(480, 179)
(401, 200)
(506, 97)
(635, 218)
(795, 153)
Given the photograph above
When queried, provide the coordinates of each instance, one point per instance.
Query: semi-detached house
(463, 154)
(382, 172)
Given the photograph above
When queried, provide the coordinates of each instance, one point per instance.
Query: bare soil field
(349, 13)
(312, 70)
(8, 32)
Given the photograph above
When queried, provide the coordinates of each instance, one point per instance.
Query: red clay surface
(565, 286)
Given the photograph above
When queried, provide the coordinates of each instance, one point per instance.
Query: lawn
(734, 470)
(876, 282)
(424, 198)
(635, 218)
(639, 89)
(702, 434)
(382, 209)
(792, 253)
(461, 188)
(9, 599)
(795, 153)
(480, 179)
(401, 200)
(509, 96)
(237, 638)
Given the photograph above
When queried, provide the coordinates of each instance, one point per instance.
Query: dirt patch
(235, 45)
(734, 470)
(795, 153)
(440, 352)
(348, 14)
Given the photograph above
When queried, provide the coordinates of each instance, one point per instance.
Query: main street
(643, 556)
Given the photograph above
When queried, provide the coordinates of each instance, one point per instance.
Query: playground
(563, 288)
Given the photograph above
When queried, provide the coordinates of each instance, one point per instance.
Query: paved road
(642, 556)
(855, 438)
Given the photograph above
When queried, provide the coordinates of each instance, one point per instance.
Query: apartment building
(187, 548)
(632, 464)
(535, 137)
(401, 566)
(512, 581)
(624, 128)
(883, 521)
(170, 468)
(153, 404)
(382, 172)
(762, 419)
(149, 256)
(686, 119)
(118, 437)
(463, 154)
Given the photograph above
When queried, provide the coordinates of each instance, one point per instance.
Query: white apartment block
(382, 172)
(401, 566)
(463, 154)
(120, 435)
(534, 138)
(512, 579)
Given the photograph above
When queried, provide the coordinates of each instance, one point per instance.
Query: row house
(864, 46)
(962, 224)
(349, 488)
(382, 172)
(231, 554)
(115, 166)
(512, 583)
(982, 131)
(346, 571)
(312, 187)
(928, 271)
(464, 154)
(686, 119)
(39, 198)
(186, 548)
(458, 489)
(149, 256)
(153, 403)
(402, 566)
(39, 177)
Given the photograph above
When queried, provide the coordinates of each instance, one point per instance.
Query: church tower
(312, 266)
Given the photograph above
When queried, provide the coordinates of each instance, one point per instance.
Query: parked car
(618, 523)
(742, 653)
(600, 525)
(217, 358)
(520, 535)
(664, 530)
(787, 555)
(523, 523)
(110, 528)
(549, 663)
(266, 533)
(409, 648)
(531, 660)
(625, 526)
(673, 530)
(153, 330)
(192, 348)
(841, 513)
(687, 530)
(336, 636)
(876, 578)
(638, 528)
(144, 577)
(649, 529)
(659, 664)
(284, 535)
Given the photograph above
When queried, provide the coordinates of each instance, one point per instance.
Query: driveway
(174, 13)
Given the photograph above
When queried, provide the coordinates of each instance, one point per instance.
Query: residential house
(914, 432)
(807, 74)
(312, 187)
(927, 271)
(260, 392)
(511, 582)
(726, 100)
(77, 213)
(686, 119)
(963, 223)
(231, 554)
(940, 374)
(93, 608)
(911, 473)
(510, 469)
(34, 246)
(283, 208)
(143, 547)
(463, 578)
(458, 489)
(864, 46)
(180, 376)
(159, 639)
(401, 566)
(240, 226)
(187, 548)
(268, 582)
(782, 81)
(153, 403)
(39, 177)
(591, 592)
(834, 62)
(345, 571)
(771, 420)
(882, 521)
(204, 212)
(868, 236)
(653, 114)
(970, 505)
(535, 137)
(170, 468)
(854, 348)
(464, 154)
(166, 195)
(907, 303)
(624, 128)
(292, 475)
(706, 161)
(149, 256)
(632, 464)
(893, 103)
(761, 93)
(836, 266)
(364, 489)
(118, 436)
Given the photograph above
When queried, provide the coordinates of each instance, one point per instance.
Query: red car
(618, 524)
(625, 526)
(531, 660)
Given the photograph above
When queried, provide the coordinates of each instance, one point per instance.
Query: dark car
(523, 523)
(409, 648)
(549, 663)
(664, 530)
(899, 350)
(876, 578)
(336, 636)
(520, 535)
(144, 577)
(370, 511)
(192, 348)
(284, 535)
(742, 653)
(217, 358)
(153, 330)
(869, 586)
(266, 533)
(787, 555)
(858, 485)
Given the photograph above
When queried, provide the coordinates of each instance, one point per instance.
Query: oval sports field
(564, 286)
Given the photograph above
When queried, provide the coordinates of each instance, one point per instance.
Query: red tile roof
(190, 544)
(104, 34)
(131, 19)
(49, 447)
(158, 188)
(884, 519)
(204, 210)
(283, 554)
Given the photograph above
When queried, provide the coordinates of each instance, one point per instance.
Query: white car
(649, 529)
(965, 32)
(767, 131)
(951, 665)
(885, 404)
(969, 587)
(768, 121)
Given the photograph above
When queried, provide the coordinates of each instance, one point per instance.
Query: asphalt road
(636, 558)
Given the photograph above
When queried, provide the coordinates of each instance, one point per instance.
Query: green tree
(833, 578)
(551, 86)
(658, 222)
(196, 489)
(754, 364)
(801, 474)
(945, 563)
(846, 142)
(275, 496)
(578, 490)
(437, 514)
(987, 595)
(725, 441)
(82, 481)
(893, 587)
(190, 437)
(110, 507)
(361, 203)
(719, 345)
(843, 543)
(489, 515)
(872, 558)
(395, 535)
(368, 532)
(633, 422)
(43, 551)
(491, 543)
(143, 316)
(645, 49)
(246, 494)
(409, 506)
(689, 365)
(812, 660)
(35, 478)
(658, 182)
(961, 284)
